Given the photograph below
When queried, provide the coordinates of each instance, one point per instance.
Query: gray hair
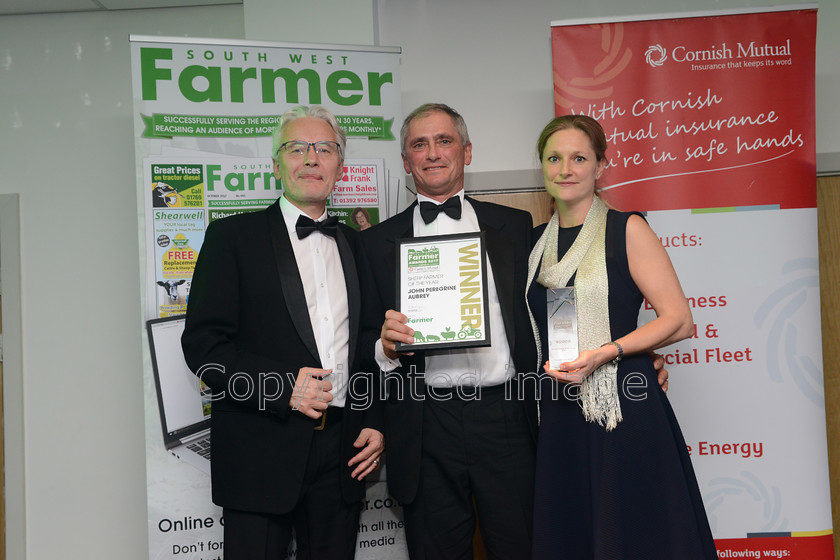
(425, 110)
(313, 111)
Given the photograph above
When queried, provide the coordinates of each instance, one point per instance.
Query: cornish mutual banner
(204, 113)
(710, 122)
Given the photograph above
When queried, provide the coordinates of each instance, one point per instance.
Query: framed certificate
(442, 289)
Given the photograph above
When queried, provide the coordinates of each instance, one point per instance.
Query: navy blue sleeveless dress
(630, 493)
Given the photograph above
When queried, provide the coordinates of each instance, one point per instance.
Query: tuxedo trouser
(475, 451)
(325, 525)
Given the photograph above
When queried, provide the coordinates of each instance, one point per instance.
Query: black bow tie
(452, 207)
(306, 225)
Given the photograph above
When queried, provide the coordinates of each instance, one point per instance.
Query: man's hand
(311, 394)
(394, 330)
(372, 443)
(661, 372)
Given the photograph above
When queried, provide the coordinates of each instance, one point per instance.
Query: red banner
(791, 547)
(702, 112)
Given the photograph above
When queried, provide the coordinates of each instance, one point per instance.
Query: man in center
(457, 446)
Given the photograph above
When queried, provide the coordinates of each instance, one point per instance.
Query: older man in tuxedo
(272, 328)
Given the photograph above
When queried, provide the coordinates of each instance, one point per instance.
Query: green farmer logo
(213, 83)
(428, 256)
(240, 180)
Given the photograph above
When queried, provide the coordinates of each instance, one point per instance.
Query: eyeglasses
(298, 148)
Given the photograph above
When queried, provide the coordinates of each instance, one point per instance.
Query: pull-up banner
(204, 113)
(710, 124)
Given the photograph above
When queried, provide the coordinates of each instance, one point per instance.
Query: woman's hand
(575, 371)
(581, 367)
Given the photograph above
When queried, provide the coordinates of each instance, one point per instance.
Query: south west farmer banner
(204, 113)
(710, 122)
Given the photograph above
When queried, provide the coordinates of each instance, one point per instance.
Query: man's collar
(424, 198)
(291, 213)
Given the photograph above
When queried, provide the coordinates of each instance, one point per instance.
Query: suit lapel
(500, 253)
(351, 281)
(290, 283)
(405, 229)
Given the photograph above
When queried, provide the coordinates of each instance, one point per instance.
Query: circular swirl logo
(730, 500)
(655, 55)
(785, 316)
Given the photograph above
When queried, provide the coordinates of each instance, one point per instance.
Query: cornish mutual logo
(718, 57)
(655, 55)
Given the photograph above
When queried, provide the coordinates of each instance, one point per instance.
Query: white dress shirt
(322, 275)
(487, 366)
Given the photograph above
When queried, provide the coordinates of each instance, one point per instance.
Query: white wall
(66, 130)
(350, 22)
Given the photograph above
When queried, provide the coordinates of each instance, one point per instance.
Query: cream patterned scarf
(587, 256)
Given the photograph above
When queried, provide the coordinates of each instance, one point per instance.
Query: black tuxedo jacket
(508, 238)
(247, 334)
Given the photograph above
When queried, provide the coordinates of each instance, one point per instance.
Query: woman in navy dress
(614, 479)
